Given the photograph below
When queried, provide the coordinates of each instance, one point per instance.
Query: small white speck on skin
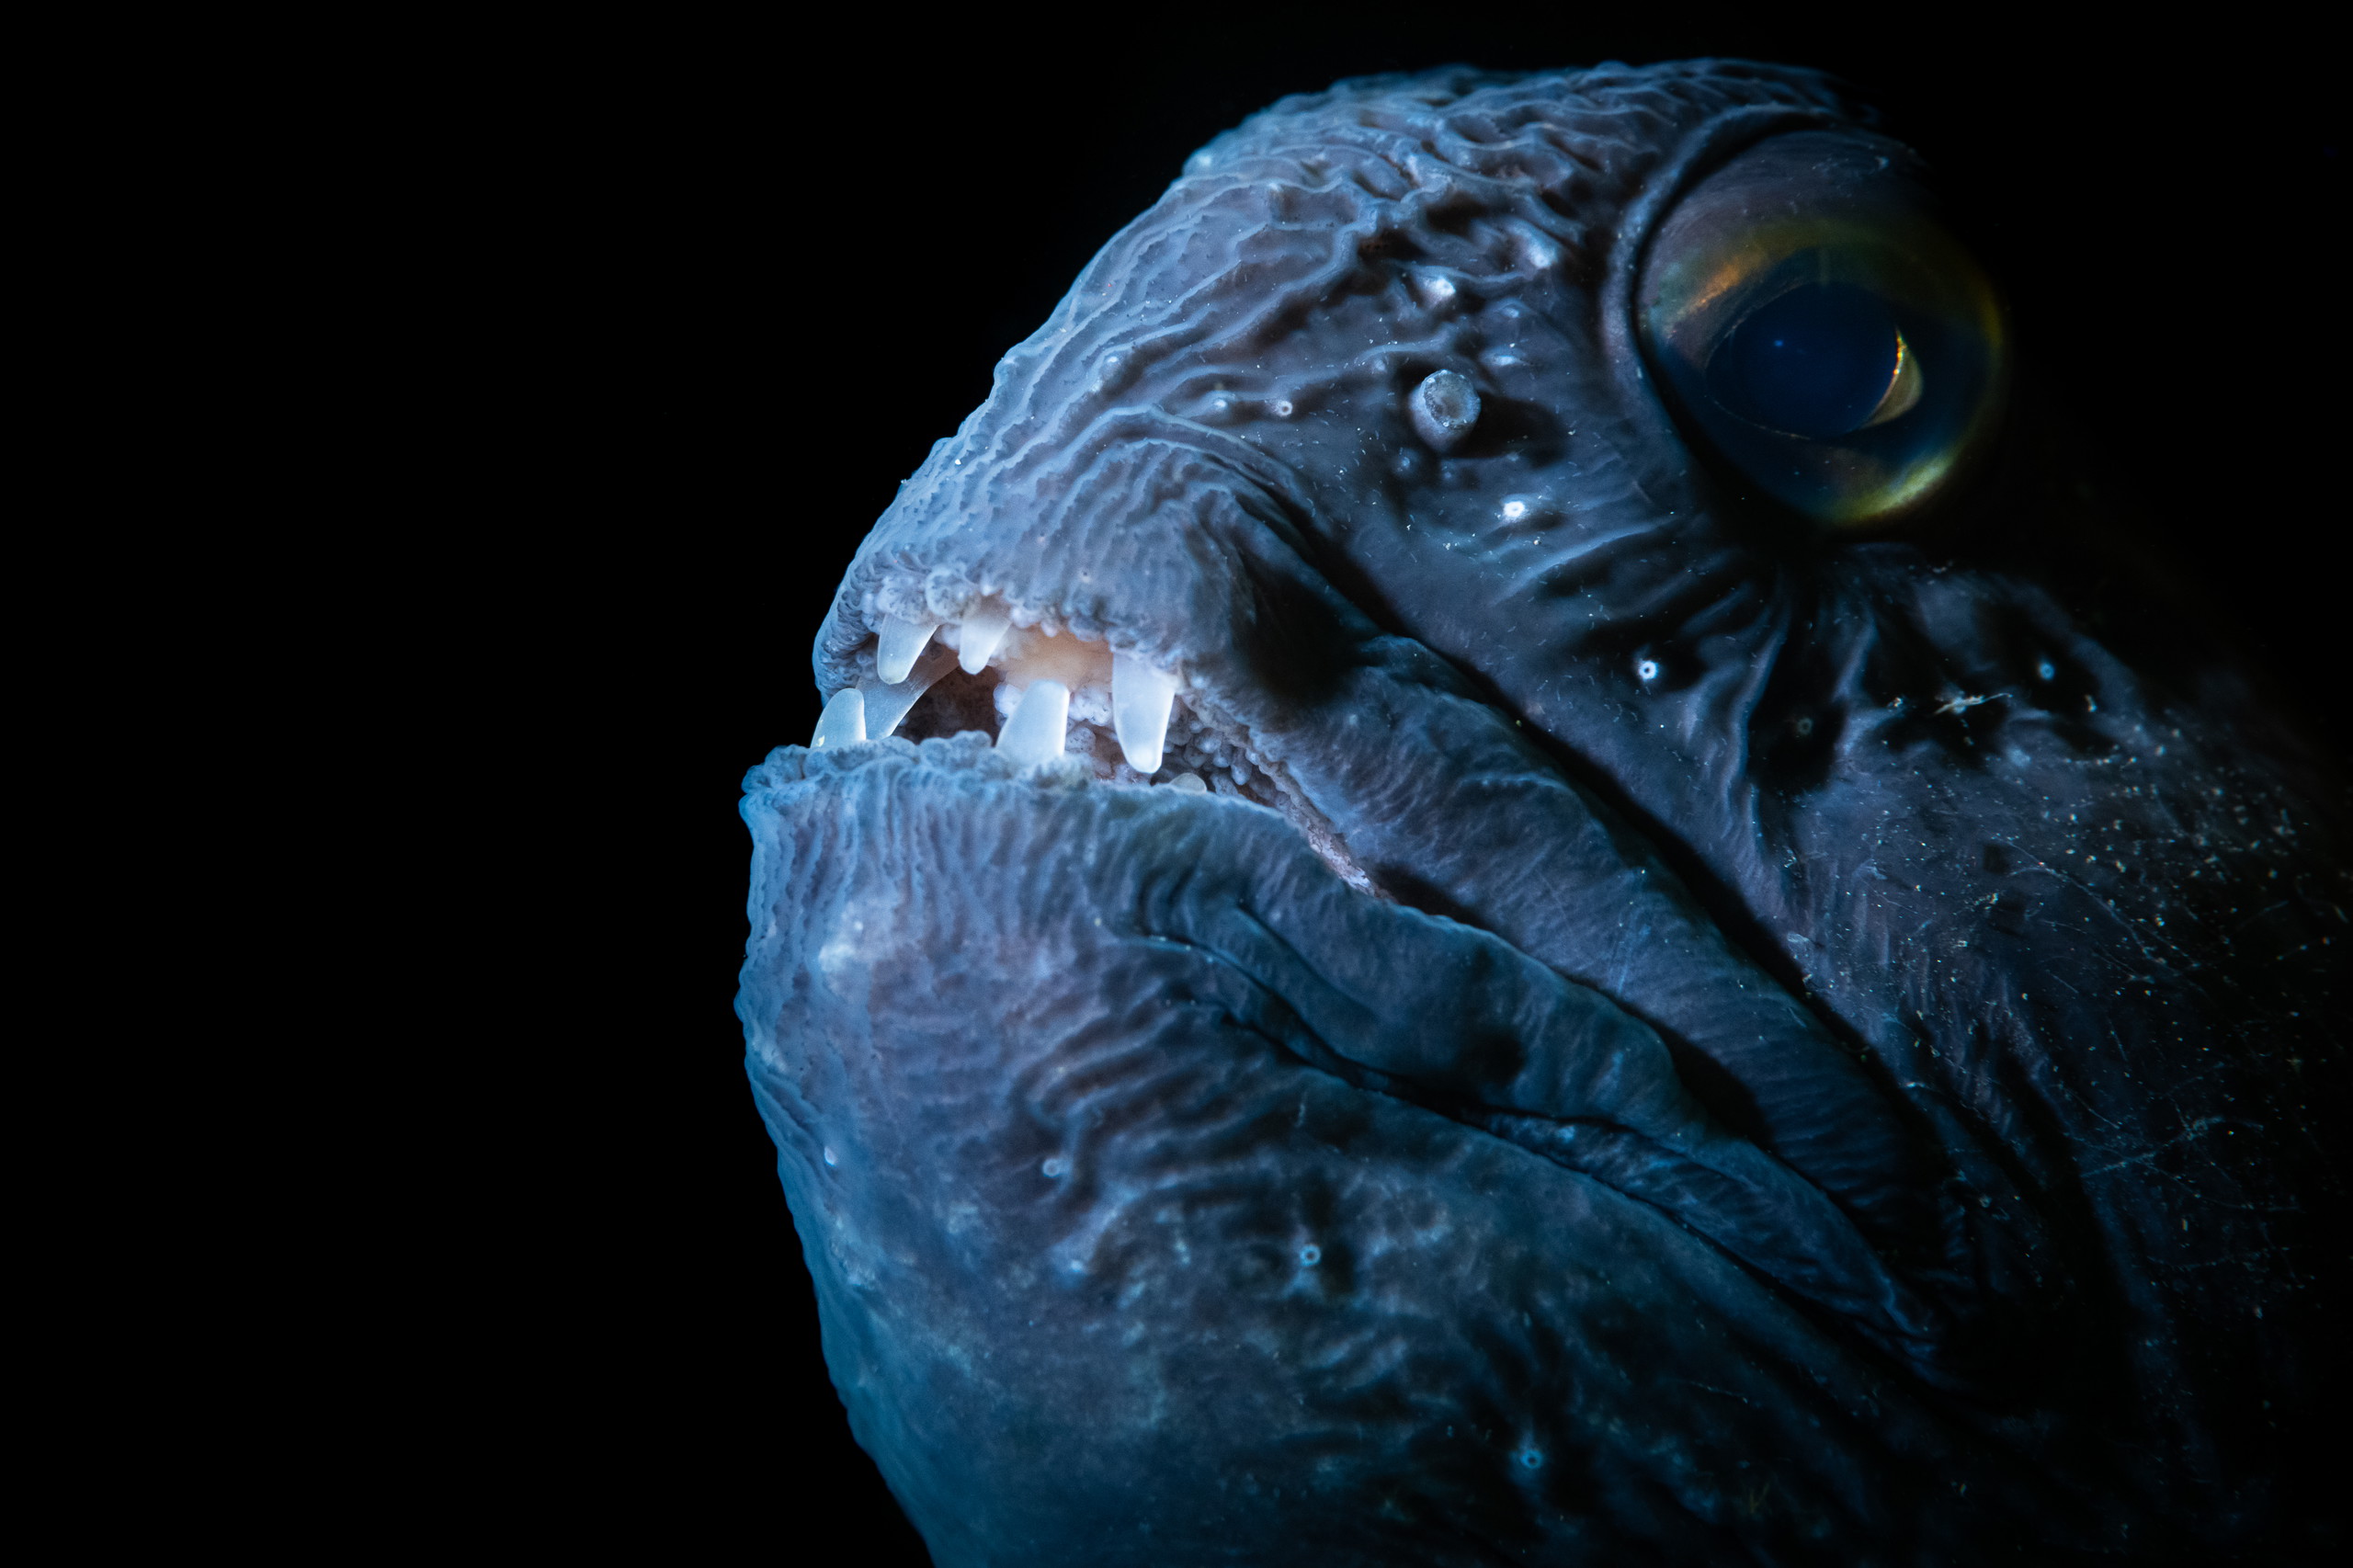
(1646, 669)
(1054, 1166)
(831, 1162)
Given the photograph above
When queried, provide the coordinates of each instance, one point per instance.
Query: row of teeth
(1048, 681)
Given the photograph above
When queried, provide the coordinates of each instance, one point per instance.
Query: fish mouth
(1073, 706)
(1037, 689)
(1413, 788)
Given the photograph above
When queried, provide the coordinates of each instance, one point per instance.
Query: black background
(692, 302)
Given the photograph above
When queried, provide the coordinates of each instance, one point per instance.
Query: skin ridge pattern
(1533, 1003)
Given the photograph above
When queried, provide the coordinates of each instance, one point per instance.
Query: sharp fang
(984, 629)
(897, 645)
(844, 722)
(886, 705)
(1141, 698)
(1034, 733)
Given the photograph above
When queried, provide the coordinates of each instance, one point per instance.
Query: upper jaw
(1107, 624)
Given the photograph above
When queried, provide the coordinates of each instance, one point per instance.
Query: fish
(1468, 893)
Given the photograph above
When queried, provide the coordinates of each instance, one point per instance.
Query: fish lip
(932, 553)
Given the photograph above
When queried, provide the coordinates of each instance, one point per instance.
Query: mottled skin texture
(1777, 1109)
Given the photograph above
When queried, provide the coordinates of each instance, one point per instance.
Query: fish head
(1468, 872)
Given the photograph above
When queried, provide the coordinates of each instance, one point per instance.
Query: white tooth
(1188, 784)
(985, 628)
(897, 645)
(1141, 698)
(1034, 733)
(842, 723)
(886, 705)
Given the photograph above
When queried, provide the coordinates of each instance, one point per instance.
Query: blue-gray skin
(1637, 1064)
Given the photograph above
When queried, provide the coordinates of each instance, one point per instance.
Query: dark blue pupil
(1816, 362)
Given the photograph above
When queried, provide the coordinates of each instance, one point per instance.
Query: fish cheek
(1295, 642)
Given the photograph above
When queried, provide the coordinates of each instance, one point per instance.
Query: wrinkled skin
(1638, 1068)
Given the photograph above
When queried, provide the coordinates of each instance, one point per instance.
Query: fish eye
(1815, 325)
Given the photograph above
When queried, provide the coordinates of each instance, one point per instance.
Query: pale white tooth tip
(898, 645)
(984, 629)
(844, 722)
(887, 704)
(1140, 699)
(1034, 733)
(1188, 784)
